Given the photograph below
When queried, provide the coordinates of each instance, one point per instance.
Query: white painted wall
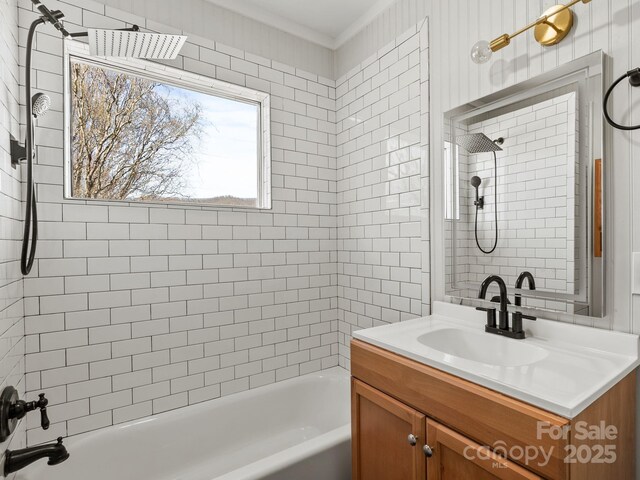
(207, 20)
(11, 286)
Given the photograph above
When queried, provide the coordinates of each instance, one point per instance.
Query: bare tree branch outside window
(129, 141)
(137, 139)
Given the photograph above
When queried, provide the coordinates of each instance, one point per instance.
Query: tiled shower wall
(382, 177)
(137, 309)
(11, 303)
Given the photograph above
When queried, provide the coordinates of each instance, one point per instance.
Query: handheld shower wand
(475, 183)
(40, 104)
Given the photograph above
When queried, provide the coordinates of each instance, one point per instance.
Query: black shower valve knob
(21, 408)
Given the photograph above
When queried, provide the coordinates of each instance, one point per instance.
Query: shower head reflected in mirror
(479, 143)
(40, 104)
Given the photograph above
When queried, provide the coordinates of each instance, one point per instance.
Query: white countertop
(579, 365)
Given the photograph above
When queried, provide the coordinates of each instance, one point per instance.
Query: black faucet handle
(491, 316)
(517, 321)
(42, 404)
(42, 401)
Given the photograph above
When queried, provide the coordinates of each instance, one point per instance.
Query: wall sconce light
(550, 29)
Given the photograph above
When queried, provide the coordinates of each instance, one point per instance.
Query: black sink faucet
(532, 285)
(18, 459)
(503, 316)
(503, 323)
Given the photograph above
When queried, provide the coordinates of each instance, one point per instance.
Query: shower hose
(31, 211)
(495, 209)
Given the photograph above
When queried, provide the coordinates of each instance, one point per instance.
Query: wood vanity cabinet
(414, 422)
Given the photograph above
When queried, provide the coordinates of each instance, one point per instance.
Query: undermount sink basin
(482, 347)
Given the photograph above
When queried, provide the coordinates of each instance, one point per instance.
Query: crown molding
(364, 20)
(277, 21)
(302, 31)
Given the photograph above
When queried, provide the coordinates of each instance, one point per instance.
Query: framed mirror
(523, 192)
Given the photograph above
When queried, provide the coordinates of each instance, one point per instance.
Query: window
(451, 181)
(139, 131)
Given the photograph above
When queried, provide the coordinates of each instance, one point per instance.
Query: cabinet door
(456, 457)
(381, 442)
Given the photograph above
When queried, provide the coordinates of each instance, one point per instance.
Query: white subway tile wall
(137, 309)
(12, 344)
(382, 105)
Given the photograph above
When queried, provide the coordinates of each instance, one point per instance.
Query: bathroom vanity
(438, 398)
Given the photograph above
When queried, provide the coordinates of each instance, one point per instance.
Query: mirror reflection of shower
(479, 143)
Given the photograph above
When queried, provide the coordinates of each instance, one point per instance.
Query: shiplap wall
(11, 286)
(612, 26)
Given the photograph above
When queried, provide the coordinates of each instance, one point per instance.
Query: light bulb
(481, 52)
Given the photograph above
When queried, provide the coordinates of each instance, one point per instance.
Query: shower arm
(134, 28)
(54, 17)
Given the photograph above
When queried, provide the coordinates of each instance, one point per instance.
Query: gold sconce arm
(551, 28)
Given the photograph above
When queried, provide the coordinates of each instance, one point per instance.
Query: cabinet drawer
(489, 418)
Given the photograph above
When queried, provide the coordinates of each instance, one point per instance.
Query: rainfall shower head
(477, 143)
(134, 44)
(40, 103)
(475, 182)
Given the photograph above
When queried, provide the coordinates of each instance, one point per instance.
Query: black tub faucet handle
(42, 404)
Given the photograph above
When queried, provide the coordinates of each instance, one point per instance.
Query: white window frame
(79, 52)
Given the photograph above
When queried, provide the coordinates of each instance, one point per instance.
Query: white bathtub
(292, 430)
